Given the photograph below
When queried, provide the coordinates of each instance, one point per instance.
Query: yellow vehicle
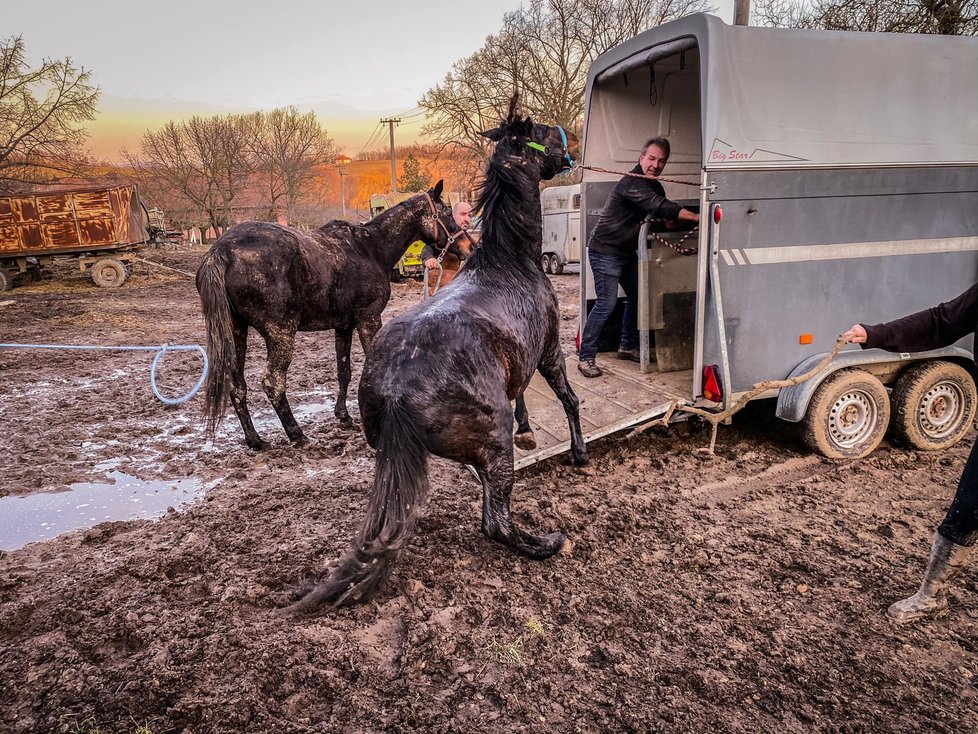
(410, 263)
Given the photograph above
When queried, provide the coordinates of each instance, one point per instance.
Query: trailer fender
(793, 401)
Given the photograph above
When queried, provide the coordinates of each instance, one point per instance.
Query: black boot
(946, 561)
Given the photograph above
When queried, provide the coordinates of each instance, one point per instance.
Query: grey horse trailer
(836, 176)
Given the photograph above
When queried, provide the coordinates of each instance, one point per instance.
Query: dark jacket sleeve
(428, 251)
(650, 201)
(929, 329)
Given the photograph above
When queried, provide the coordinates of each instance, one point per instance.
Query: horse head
(438, 226)
(549, 146)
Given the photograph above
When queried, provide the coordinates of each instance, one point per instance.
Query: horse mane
(512, 232)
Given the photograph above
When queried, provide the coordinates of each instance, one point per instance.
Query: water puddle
(86, 504)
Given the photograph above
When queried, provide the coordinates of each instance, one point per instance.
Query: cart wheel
(109, 273)
(545, 263)
(6, 280)
(934, 405)
(396, 276)
(556, 266)
(847, 416)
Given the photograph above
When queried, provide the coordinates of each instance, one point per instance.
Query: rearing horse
(440, 377)
(281, 280)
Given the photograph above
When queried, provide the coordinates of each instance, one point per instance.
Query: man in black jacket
(612, 250)
(931, 329)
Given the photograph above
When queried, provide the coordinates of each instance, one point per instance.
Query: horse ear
(436, 191)
(495, 135)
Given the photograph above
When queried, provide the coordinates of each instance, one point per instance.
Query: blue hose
(160, 352)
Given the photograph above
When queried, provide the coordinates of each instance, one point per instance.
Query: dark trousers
(960, 524)
(608, 271)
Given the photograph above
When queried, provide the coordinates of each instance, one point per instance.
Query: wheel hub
(940, 410)
(851, 418)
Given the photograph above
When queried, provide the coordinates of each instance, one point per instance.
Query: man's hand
(856, 334)
(431, 263)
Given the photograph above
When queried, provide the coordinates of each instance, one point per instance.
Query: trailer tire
(396, 276)
(545, 263)
(933, 405)
(7, 280)
(109, 273)
(556, 266)
(847, 416)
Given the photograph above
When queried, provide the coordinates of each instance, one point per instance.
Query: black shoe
(632, 355)
(589, 369)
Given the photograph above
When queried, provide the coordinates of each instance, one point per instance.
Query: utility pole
(391, 121)
(741, 12)
(342, 170)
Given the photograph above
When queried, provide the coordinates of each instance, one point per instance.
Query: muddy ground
(737, 593)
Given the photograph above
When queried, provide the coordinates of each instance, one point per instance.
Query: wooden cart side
(51, 223)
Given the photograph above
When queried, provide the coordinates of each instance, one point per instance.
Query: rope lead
(160, 352)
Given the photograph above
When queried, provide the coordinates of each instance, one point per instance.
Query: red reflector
(577, 339)
(717, 214)
(711, 383)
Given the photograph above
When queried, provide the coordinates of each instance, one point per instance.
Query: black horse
(281, 280)
(440, 377)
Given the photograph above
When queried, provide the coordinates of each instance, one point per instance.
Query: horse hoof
(525, 441)
(259, 445)
(581, 459)
(546, 546)
(301, 442)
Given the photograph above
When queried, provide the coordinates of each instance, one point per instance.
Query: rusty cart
(101, 228)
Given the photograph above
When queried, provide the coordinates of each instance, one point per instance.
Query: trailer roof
(797, 97)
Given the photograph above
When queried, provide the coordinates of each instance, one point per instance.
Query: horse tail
(400, 486)
(220, 342)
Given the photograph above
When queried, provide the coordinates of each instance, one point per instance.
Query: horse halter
(434, 212)
(568, 161)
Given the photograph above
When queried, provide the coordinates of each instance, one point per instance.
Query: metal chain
(636, 175)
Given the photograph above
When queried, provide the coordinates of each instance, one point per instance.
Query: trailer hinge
(712, 188)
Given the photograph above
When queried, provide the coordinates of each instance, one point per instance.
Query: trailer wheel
(396, 276)
(934, 405)
(6, 280)
(556, 266)
(109, 273)
(545, 263)
(847, 416)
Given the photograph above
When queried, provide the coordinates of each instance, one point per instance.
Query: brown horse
(281, 280)
(452, 258)
(440, 377)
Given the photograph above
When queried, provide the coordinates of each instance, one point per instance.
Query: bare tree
(40, 110)
(945, 17)
(289, 148)
(543, 51)
(205, 160)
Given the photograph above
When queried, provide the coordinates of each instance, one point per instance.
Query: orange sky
(122, 122)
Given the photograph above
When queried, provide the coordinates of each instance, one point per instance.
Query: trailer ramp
(621, 398)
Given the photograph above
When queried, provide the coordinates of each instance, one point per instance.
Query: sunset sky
(352, 62)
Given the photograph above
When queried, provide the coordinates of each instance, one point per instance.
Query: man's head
(463, 214)
(655, 155)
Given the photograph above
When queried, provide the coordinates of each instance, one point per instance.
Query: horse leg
(554, 371)
(344, 371)
(239, 388)
(281, 349)
(367, 329)
(497, 523)
(524, 437)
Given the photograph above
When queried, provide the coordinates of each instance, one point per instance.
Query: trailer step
(621, 398)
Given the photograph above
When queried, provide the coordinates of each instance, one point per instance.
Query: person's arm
(429, 257)
(931, 328)
(656, 205)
